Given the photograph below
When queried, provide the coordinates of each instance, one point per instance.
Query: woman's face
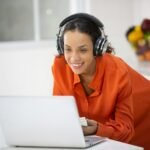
(78, 52)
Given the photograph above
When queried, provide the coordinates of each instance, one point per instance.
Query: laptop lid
(41, 121)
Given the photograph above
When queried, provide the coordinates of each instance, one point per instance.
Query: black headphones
(101, 44)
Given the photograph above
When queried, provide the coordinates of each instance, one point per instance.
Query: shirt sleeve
(121, 127)
(56, 86)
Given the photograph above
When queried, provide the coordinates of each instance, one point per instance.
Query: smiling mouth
(76, 66)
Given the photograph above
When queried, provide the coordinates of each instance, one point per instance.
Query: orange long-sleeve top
(120, 101)
(111, 102)
(141, 107)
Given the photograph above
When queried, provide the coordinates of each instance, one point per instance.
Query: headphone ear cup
(60, 45)
(101, 45)
(97, 46)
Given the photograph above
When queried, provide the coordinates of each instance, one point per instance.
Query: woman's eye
(67, 49)
(83, 50)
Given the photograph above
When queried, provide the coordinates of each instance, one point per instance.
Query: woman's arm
(121, 126)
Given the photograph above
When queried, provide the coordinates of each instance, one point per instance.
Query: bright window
(23, 20)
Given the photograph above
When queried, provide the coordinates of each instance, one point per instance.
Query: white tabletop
(107, 145)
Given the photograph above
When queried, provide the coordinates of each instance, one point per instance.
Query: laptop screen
(41, 121)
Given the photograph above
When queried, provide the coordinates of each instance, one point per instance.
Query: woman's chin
(77, 71)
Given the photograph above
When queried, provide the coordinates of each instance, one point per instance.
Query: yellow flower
(135, 35)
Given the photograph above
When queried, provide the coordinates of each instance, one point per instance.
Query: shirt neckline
(97, 80)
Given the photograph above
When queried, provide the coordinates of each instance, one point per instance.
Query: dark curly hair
(85, 26)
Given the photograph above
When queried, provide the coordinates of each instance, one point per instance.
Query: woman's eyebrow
(67, 45)
(81, 46)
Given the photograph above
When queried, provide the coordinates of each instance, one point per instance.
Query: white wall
(26, 70)
(141, 10)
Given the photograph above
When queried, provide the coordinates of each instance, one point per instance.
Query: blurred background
(28, 31)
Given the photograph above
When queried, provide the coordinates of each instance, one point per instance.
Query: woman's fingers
(91, 128)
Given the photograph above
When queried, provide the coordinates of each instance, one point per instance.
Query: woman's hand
(91, 128)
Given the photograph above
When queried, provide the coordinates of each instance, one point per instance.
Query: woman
(100, 81)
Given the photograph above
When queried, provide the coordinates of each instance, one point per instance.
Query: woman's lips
(76, 65)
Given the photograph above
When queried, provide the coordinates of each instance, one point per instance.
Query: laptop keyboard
(92, 140)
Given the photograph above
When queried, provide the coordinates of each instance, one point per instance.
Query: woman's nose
(75, 56)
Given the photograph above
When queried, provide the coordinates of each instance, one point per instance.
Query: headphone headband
(84, 16)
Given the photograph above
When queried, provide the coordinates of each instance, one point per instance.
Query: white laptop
(43, 122)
